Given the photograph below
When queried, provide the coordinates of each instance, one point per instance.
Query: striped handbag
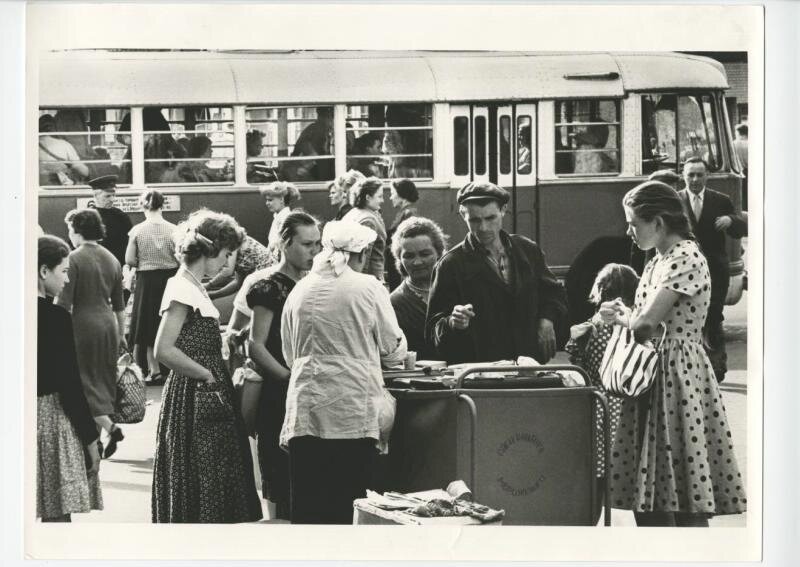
(628, 368)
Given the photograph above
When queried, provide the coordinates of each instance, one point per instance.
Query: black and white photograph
(500, 288)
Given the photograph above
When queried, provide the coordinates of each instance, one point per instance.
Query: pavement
(126, 478)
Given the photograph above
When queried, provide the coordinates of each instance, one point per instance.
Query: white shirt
(181, 290)
(336, 331)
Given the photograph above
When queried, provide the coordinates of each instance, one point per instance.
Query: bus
(567, 134)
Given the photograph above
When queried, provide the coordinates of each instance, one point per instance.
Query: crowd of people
(320, 319)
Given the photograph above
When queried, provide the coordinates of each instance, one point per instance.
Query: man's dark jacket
(711, 240)
(506, 315)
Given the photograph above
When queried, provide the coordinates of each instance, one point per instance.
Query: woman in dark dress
(203, 471)
(418, 245)
(66, 435)
(299, 243)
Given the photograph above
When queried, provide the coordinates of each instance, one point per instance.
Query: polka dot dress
(672, 450)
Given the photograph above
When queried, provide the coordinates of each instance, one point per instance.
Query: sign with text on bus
(130, 203)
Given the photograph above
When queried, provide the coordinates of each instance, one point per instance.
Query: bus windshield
(677, 127)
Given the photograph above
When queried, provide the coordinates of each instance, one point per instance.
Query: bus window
(77, 144)
(461, 145)
(505, 145)
(587, 137)
(694, 119)
(290, 143)
(524, 144)
(191, 144)
(390, 140)
(480, 145)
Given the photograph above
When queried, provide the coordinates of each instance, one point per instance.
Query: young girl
(203, 471)
(66, 434)
(588, 340)
(300, 242)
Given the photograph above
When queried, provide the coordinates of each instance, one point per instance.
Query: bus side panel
(248, 208)
(525, 212)
(572, 216)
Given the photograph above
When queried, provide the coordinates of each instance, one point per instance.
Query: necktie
(697, 206)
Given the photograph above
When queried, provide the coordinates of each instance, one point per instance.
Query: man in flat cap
(117, 223)
(493, 297)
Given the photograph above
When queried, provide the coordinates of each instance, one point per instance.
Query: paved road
(127, 476)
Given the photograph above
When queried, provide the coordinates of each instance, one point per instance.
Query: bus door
(497, 143)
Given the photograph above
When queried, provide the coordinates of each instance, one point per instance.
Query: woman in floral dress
(203, 471)
(672, 458)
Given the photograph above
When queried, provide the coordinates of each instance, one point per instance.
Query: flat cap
(104, 182)
(476, 190)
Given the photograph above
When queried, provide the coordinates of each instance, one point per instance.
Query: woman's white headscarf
(339, 239)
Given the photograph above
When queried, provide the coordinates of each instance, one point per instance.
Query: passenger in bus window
(588, 161)
(257, 171)
(71, 120)
(315, 140)
(124, 138)
(369, 144)
(394, 146)
(493, 296)
(159, 146)
(200, 147)
(59, 162)
(524, 149)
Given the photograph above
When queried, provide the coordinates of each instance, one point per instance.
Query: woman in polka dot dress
(672, 459)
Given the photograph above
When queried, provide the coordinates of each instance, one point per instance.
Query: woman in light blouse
(337, 329)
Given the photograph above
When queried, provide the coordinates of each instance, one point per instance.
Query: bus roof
(108, 78)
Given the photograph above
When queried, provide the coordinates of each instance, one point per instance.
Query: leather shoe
(115, 437)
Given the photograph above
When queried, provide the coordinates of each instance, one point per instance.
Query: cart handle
(515, 367)
(607, 457)
(473, 415)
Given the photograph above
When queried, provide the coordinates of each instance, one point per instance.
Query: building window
(78, 144)
(587, 137)
(390, 140)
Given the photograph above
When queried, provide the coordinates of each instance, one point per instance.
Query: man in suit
(712, 216)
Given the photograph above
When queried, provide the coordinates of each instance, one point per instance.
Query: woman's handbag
(131, 401)
(628, 368)
(247, 384)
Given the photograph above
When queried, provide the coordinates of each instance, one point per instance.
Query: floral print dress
(203, 469)
(672, 450)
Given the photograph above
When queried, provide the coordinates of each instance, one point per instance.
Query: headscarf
(339, 239)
